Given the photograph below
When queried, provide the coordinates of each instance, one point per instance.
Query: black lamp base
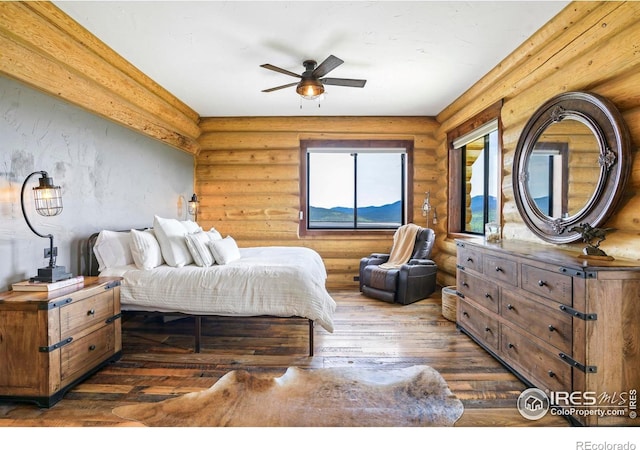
(51, 274)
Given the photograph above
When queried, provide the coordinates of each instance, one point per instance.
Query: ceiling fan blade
(327, 66)
(280, 87)
(278, 69)
(343, 82)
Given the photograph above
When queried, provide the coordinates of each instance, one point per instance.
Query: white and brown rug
(333, 397)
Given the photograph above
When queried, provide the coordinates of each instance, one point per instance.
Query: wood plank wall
(247, 180)
(592, 46)
(43, 47)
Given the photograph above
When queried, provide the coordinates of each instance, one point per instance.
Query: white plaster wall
(111, 178)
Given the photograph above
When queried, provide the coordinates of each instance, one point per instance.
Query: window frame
(305, 144)
(455, 227)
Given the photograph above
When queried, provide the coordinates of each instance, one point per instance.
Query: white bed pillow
(112, 249)
(170, 234)
(224, 250)
(197, 243)
(191, 226)
(145, 249)
(214, 234)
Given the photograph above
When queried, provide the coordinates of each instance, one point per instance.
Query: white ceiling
(417, 56)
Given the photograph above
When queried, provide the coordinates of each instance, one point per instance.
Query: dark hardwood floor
(158, 361)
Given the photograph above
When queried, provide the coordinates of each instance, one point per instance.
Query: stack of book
(40, 286)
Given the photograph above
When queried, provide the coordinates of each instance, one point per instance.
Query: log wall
(248, 182)
(247, 171)
(44, 48)
(589, 46)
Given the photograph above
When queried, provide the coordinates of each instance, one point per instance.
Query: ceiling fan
(311, 84)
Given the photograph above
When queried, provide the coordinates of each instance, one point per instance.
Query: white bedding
(273, 281)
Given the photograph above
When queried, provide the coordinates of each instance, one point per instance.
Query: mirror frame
(612, 135)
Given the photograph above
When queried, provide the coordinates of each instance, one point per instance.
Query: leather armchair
(409, 283)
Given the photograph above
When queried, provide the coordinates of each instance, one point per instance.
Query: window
(475, 173)
(354, 185)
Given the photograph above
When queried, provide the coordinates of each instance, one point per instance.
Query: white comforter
(274, 281)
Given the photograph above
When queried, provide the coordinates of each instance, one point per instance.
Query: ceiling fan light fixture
(310, 89)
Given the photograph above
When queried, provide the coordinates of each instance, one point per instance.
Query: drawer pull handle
(510, 345)
(551, 373)
(465, 284)
(469, 259)
(499, 269)
(91, 312)
(487, 329)
(92, 347)
(487, 295)
(541, 283)
(509, 306)
(552, 328)
(465, 314)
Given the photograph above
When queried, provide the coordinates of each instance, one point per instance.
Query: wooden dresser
(560, 322)
(50, 341)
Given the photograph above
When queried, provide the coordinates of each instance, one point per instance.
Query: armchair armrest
(421, 262)
(375, 259)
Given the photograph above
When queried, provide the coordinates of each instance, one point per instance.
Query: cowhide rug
(334, 397)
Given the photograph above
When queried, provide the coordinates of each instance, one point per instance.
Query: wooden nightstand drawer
(548, 284)
(481, 324)
(482, 292)
(534, 361)
(82, 354)
(86, 313)
(550, 325)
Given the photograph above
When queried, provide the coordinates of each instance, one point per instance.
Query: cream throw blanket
(404, 241)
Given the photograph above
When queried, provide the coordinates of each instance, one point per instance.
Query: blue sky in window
(331, 180)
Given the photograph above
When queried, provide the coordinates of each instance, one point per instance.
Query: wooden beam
(46, 49)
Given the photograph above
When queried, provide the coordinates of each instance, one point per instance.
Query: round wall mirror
(570, 166)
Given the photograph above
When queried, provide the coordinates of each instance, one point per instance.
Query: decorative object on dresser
(571, 165)
(589, 235)
(415, 396)
(50, 341)
(405, 275)
(562, 323)
(48, 202)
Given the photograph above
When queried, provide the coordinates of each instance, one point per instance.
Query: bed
(286, 282)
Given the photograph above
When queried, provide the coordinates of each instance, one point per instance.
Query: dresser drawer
(470, 258)
(500, 268)
(548, 284)
(534, 362)
(83, 354)
(551, 325)
(481, 291)
(82, 315)
(484, 327)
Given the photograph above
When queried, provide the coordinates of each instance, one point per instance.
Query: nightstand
(50, 341)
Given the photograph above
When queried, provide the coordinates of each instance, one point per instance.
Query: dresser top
(554, 254)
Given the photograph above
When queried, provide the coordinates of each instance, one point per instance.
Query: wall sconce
(48, 202)
(193, 207)
(426, 207)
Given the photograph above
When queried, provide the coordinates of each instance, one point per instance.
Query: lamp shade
(47, 197)
(193, 205)
(310, 89)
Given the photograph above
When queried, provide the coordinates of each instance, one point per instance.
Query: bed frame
(92, 270)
